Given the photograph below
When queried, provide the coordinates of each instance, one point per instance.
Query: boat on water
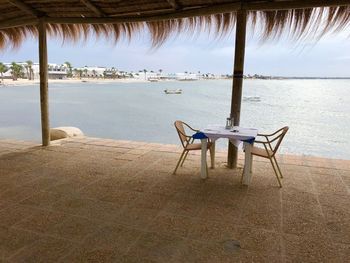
(153, 79)
(173, 91)
(251, 98)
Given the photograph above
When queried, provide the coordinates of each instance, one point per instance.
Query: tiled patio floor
(93, 200)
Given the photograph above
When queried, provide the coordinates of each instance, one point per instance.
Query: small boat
(153, 79)
(173, 91)
(253, 99)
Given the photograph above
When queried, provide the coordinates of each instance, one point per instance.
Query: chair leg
(183, 160)
(278, 167)
(277, 176)
(178, 163)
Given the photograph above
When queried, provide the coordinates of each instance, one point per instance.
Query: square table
(236, 135)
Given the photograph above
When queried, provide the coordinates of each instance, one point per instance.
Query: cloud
(343, 58)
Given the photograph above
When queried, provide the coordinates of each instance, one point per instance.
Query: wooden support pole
(44, 96)
(237, 82)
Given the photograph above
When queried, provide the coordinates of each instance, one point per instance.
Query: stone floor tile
(344, 250)
(221, 212)
(121, 197)
(296, 195)
(150, 201)
(113, 235)
(47, 249)
(174, 225)
(339, 230)
(299, 218)
(154, 247)
(14, 214)
(329, 184)
(207, 252)
(94, 254)
(181, 205)
(42, 221)
(93, 209)
(74, 228)
(212, 231)
(310, 248)
(138, 218)
(258, 240)
(13, 240)
(108, 244)
(269, 219)
(17, 194)
(335, 207)
(42, 199)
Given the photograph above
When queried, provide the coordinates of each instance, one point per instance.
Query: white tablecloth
(236, 134)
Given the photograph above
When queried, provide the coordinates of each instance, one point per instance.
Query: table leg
(212, 155)
(204, 159)
(247, 163)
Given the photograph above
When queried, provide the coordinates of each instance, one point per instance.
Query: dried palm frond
(296, 23)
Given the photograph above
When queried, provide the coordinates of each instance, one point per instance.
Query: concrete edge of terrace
(59, 133)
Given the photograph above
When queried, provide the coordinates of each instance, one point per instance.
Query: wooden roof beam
(26, 8)
(93, 8)
(174, 4)
(18, 22)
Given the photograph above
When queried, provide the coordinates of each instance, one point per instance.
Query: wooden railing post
(44, 96)
(237, 82)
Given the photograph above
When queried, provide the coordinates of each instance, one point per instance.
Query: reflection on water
(316, 111)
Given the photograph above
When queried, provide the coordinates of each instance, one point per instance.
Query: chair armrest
(188, 126)
(268, 135)
(264, 136)
(187, 136)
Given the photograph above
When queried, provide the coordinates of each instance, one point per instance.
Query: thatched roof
(74, 19)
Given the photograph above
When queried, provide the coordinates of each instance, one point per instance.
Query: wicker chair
(188, 143)
(271, 143)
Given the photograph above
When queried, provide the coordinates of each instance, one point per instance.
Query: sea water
(317, 111)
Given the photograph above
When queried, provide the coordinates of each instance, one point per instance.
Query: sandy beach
(25, 82)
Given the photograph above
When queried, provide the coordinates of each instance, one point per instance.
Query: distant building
(55, 71)
(92, 72)
(186, 76)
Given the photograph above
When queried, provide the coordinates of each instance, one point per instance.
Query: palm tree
(160, 72)
(93, 73)
(78, 72)
(145, 71)
(114, 73)
(3, 69)
(69, 66)
(29, 68)
(85, 72)
(16, 70)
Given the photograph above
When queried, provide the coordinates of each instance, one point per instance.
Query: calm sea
(317, 111)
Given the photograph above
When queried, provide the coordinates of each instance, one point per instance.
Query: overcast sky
(329, 57)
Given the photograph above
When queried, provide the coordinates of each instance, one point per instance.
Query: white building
(92, 72)
(186, 76)
(146, 75)
(55, 71)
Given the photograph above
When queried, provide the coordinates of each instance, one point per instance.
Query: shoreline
(25, 82)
